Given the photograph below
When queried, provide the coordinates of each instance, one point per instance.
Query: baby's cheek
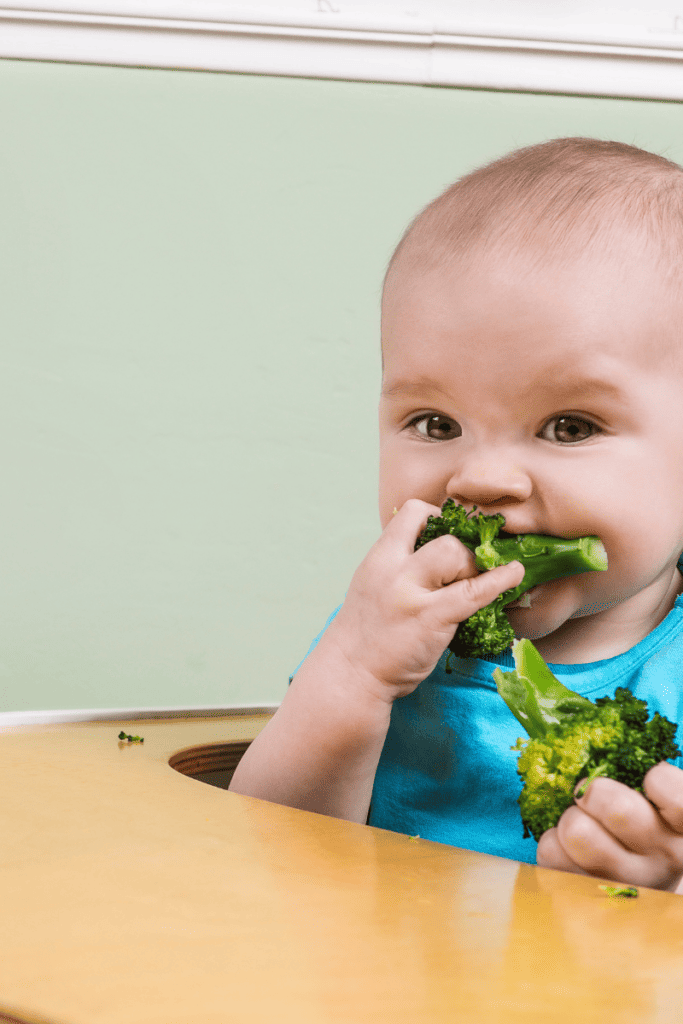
(632, 563)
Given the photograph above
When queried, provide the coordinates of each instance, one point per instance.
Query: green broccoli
(572, 738)
(131, 739)
(619, 890)
(488, 631)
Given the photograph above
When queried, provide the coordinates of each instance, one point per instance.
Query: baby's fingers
(615, 832)
(624, 814)
(663, 785)
(442, 561)
(594, 850)
(642, 826)
(457, 601)
(407, 524)
(551, 854)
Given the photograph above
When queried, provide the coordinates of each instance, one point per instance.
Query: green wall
(190, 266)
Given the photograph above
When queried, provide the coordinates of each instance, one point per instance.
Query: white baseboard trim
(631, 61)
(9, 719)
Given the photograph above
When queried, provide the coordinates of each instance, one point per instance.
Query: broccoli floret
(488, 631)
(572, 738)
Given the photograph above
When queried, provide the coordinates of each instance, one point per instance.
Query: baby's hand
(403, 606)
(616, 833)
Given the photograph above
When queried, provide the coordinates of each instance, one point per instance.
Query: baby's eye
(568, 429)
(437, 428)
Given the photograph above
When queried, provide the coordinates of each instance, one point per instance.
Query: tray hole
(212, 763)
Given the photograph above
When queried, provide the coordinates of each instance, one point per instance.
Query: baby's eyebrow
(410, 388)
(584, 386)
(551, 383)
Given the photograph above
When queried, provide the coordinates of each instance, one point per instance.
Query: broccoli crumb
(131, 739)
(619, 890)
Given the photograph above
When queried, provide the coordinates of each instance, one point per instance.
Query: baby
(532, 337)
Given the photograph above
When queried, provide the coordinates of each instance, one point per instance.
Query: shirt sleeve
(315, 642)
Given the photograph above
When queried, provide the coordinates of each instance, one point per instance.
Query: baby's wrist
(342, 714)
(351, 683)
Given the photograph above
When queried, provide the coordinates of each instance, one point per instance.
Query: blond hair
(554, 201)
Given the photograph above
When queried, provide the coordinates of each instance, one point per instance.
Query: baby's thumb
(478, 591)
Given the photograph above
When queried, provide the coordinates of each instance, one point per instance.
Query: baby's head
(561, 201)
(532, 332)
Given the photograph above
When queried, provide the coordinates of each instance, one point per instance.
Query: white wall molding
(11, 719)
(631, 52)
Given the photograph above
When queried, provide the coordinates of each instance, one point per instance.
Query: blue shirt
(447, 772)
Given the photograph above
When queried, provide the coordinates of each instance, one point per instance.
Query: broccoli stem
(543, 558)
(600, 771)
(537, 699)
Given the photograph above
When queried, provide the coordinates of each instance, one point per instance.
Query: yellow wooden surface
(131, 894)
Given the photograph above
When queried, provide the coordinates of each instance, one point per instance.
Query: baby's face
(550, 397)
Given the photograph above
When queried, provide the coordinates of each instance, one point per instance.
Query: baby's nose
(489, 481)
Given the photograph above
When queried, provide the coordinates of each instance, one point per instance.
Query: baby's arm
(614, 832)
(320, 750)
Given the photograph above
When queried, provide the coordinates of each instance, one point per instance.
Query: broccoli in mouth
(571, 738)
(488, 631)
